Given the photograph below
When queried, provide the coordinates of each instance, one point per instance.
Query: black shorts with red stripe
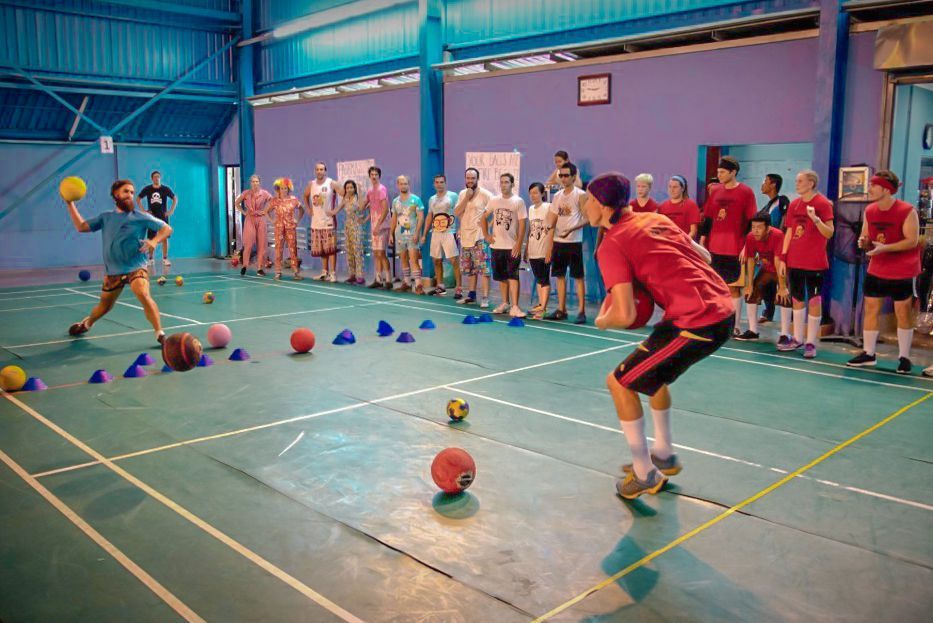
(668, 352)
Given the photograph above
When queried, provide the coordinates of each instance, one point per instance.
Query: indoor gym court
(270, 485)
(289, 488)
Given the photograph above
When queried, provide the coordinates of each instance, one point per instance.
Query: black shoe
(581, 318)
(243, 271)
(904, 366)
(748, 336)
(375, 285)
(556, 315)
(261, 272)
(387, 285)
(862, 360)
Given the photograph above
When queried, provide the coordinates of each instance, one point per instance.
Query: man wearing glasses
(566, 223)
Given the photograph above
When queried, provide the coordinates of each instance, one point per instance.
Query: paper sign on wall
(356, 170)
(106, 144)
(493, 164)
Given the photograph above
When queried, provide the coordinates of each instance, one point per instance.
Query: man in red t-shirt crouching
(650, 253)
(763, 247)
(890, 235)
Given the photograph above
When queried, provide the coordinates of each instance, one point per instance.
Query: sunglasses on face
(564, 175)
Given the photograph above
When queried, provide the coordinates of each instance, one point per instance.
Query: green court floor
(297, 487)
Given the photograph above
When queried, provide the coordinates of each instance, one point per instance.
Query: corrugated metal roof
(34, 115)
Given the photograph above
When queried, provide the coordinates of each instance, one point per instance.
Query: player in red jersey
(680, 208)
(809, 224)
(763, 247)
(729, 208)
(649, 250)
(890, 234)
(643, 201)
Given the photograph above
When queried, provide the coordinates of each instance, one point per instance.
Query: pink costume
(254, 225)
(285, 230)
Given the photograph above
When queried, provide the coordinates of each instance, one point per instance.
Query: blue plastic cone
(470, 319)
(205, 361)
(166, 369)
(239, 354)
(144, 359)
(34, 384)
(347, 335)
(100, 376)
(427, 324)
(134, 372)
(485, 318)
(405, 337)
(384, 329)
(340, 341)
(516, 322)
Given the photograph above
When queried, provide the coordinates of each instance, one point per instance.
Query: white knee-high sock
(737, 301)
(904, 338)
(751, 310)
(638, 444)
(869, 341)
(662, 447)
(800, 318)
(785, 321)
(813, 329)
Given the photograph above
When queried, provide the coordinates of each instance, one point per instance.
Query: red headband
(884, 183)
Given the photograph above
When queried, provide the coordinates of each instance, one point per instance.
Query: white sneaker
(332, 278)
(322, 276)
(151, 262)
(928, 371)
(516, 312)
(484, 303)
(501, 309)
(166, 262)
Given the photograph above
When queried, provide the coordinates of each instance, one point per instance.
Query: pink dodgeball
(219, 335)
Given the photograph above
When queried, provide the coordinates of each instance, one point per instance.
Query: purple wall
(864, 88)
(384, 126)
(654, 128)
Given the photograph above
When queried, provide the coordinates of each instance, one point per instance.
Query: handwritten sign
(356, 170)
(493, 164)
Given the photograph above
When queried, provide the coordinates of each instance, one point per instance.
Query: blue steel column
(430, 45)
(829, 90)
(245, 60)
(431, 100)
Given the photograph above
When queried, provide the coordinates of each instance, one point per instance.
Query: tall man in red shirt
(649, 252)
(890, 235)
(809, 223)
(726, 215)
(763, 247)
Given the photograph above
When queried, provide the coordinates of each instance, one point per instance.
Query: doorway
(231, 177)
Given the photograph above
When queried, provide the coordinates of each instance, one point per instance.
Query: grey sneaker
(670, 466)
(809, 351)
(631, 487)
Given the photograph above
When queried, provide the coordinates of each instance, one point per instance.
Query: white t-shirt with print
(537, 230)
(506, 214)
(567, 208)
(323, 202)
(471, 230)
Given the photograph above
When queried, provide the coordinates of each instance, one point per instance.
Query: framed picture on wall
(594, 90)
(853, 183)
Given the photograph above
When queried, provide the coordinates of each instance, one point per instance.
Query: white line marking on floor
(350, 407)
(230, 542)
(125, 561)
(139, 307)
(724, 457)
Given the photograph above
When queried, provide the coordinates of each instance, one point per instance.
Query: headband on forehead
(610, 189)
(884, 183)
(680, 179)
(728, 165)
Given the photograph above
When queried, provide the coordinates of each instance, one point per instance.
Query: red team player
(650, 250)
(763, 250)
(890, 234)
(680, 208)
(726, 215)
(809, 224)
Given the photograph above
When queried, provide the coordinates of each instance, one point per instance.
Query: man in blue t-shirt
(125, 249)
